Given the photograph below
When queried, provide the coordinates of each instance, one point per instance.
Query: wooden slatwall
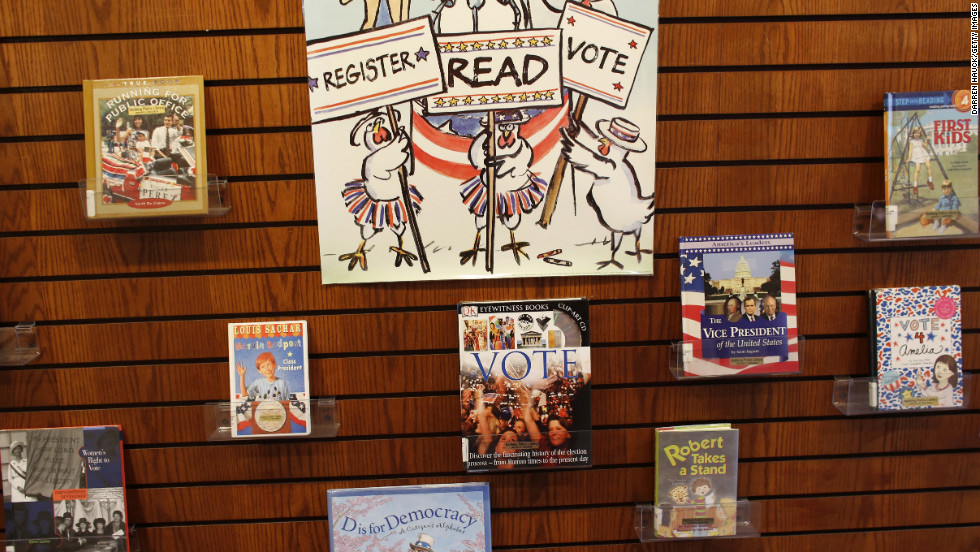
(769, 121)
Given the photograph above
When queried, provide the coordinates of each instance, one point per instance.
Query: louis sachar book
(930, 164)
(145, 147)
(64, 489)
(738, 299)
(422, 518)
(917, 347)
(270, 378)
(697, 481)
(525, 381)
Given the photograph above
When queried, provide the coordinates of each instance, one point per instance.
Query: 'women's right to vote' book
(738, 299)
(64, 489)
(930, 164)
(421, 518)
(918, 347)
(697, 480)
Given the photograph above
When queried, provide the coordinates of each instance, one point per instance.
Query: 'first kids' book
(931, 164)
(423, 518)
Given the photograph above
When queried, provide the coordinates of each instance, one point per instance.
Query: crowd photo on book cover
(525, 384)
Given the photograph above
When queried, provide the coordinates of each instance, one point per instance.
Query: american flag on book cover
(692, 255)
(121, 174)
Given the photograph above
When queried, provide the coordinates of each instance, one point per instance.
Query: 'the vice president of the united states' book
(738, 298)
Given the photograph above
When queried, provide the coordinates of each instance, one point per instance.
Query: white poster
(507, 181)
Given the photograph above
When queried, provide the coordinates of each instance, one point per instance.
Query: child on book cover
(268, 386)
(943, 382)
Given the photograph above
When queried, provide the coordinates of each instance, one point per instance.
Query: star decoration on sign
(688, 279)
(447, 47)
(483, 99)
(546, 41)
(477, 45)
(290, 353)
(468, 100)
(463, 47)
(421, 55)
(509, 97)
(618, 86)
(695, 261)
(551, 95)
(314, 83)
(439, 101)
(524, 97)
(453, 101)
(533, 42)
(571, 21)
(518, 42)
(931, 336)
(632, 44)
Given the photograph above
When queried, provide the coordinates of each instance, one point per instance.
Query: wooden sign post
(493, 72)
(374, 69)
(601, 56)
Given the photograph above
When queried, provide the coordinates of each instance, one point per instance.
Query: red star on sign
(633, 44)
(618, 86)
(571, 21)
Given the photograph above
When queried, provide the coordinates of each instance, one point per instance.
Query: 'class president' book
(64, 489)
(697, 480)
(270, 379)
(930, 164)
(525, 380)
(917, 346)
(738, 298)
(144, 147)
(423, 518)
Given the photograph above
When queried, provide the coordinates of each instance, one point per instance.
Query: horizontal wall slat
(282, 55)
(291, 153)
(721, 92)
(371, 375)
(756, 400)
(159, 16)
(562, 488)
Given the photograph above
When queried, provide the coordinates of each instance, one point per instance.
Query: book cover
(919, 347)
(697, 481)
(270, 378)
(457, 140)
(525, 384)
(738, 299)
(423, 518)
(930, 163)
(64, 489)
(144, 147)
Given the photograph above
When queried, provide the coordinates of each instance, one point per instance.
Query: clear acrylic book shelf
(218, 418)
(875, 222)
(682, 361)
(18, 345)
(733, 520)
(218, 200)
(858, 396)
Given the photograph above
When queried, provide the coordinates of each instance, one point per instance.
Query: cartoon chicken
(518, 190)
(375, 199)
(615, 192)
